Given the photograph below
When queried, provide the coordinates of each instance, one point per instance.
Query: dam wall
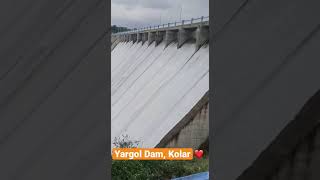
(157, 79)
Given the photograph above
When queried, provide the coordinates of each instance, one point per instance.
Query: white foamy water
(153, 88)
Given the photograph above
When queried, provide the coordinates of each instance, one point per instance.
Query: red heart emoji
(198, 153)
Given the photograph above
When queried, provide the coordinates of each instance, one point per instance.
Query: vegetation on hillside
(116, 29)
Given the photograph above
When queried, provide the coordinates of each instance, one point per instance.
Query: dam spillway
(154, 85)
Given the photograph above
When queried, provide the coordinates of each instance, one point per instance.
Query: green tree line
(116, 29)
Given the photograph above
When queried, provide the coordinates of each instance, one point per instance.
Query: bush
(125, 142)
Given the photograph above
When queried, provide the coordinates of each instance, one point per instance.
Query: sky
(143, 13)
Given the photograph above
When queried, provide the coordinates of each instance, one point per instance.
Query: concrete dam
(160, 84)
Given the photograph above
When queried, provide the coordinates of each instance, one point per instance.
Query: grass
(149, 170)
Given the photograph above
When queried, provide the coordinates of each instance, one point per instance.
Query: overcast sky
(141, 13)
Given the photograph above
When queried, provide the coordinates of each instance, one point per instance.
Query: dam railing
(202, 19)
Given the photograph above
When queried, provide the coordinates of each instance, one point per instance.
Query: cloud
(156, 4)
(141, 13)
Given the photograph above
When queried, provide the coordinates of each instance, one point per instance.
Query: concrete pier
(151, 37)
(202, 36)
(139, 37)
(159, 37)
(171, 36)
(144, 37)
(185, 35)
(133, 37)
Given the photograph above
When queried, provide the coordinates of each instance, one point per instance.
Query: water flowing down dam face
(154, 87)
